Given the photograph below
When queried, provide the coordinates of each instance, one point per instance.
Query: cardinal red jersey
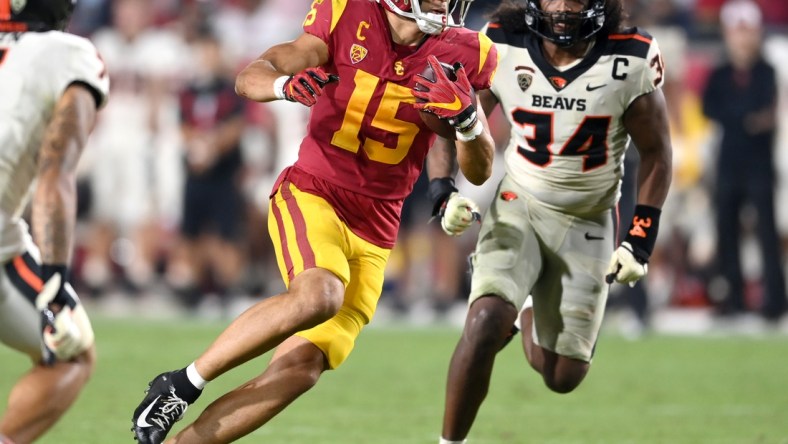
(364, 135)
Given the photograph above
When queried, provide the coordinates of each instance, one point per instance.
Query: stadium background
(684, 376)
(129, 256)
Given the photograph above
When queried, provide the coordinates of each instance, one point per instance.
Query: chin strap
(433, 24)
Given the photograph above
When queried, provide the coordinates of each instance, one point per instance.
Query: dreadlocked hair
(510, 15)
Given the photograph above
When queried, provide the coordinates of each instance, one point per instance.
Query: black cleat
(161, 408)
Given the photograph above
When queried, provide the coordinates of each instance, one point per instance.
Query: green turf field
(659, 389)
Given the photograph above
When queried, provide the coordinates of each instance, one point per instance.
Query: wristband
(642, 233)
(49, 270)
(475, 131)
(465, 120)
(438, 191)
(279, 87)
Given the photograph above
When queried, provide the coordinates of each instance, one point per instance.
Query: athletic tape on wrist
(49, 270)
(279, 87)
(465, 120)
(475, 131)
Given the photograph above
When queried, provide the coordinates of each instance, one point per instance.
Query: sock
(183, 387)
(446, 441)
(194, 377)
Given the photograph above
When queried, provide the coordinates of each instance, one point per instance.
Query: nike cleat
(159, 410)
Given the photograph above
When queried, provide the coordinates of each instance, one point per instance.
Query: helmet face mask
(565, 28)
(430, 22)
(41, 15)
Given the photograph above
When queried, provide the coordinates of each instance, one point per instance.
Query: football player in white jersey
(576, 87)
(52, 84)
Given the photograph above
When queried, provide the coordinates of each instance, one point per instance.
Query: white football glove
(624, 267)
(67, 333)
(458, 214)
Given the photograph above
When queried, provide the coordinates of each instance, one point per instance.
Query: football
(439, 126)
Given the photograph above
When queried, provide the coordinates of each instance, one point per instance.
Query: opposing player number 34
(589, 139)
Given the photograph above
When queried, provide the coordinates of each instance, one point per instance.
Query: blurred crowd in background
(175, 180)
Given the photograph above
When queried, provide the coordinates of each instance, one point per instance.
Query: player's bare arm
(646, 121)
(440, 159)
(488, 101)
(256, 80)
(54, 202)
(475, 156)
(456, 212)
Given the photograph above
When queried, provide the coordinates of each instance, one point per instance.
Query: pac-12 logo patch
(357, 53)
(524, 80)
(18, 5)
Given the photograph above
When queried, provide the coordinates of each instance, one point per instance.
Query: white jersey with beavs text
(568, 139)
(35, 70)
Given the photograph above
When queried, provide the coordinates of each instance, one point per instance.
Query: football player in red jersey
(576, 88)
(334, 214)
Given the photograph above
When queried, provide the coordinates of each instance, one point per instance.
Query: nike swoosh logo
(142, 421)
(453, 106)
(590, 237)
(592, 88)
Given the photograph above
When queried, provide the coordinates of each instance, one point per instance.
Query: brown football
(439, 126)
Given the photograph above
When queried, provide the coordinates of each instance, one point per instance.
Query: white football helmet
(430, 22)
